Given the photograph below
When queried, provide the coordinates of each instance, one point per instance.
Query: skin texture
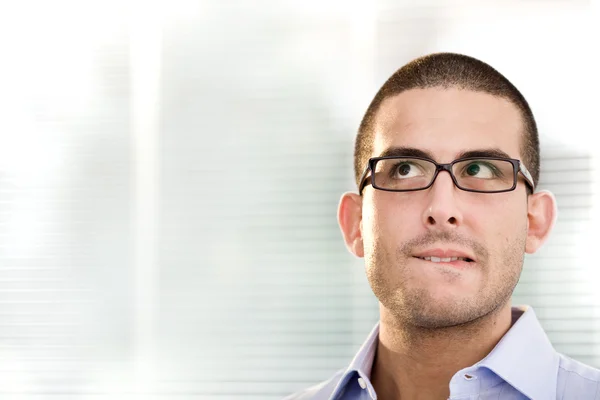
(436, 320)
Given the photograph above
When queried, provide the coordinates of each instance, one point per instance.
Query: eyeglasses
(481, 174)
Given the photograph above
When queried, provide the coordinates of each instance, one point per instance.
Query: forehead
(448, 121)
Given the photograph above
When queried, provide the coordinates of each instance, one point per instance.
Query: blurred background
(170, 173)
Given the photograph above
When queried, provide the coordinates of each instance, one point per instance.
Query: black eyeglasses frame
(517, 167)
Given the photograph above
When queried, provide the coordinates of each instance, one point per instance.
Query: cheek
(392, 212)
(499, 221)
(391, 216)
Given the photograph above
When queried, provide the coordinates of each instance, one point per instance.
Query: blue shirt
(523, 365)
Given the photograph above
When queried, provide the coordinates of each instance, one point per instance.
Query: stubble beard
(416, 307)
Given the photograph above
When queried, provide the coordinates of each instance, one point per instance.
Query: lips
(445, 255)
(447, 259)
(456, 263)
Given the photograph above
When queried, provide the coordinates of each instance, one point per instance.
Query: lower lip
(458, 264)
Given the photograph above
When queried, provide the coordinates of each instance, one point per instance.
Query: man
(446, 162)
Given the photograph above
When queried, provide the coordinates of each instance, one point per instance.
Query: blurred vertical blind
(255, 295)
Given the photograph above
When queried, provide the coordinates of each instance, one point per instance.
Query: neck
(416, 363)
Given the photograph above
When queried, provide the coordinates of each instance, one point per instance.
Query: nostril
(451, 220)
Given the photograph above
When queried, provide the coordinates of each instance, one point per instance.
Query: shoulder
(575, 377)
(320, 391)
(569, 365)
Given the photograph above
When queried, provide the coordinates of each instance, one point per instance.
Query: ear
(541, 217)
(349, 218)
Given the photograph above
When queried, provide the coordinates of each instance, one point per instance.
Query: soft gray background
(170, 172)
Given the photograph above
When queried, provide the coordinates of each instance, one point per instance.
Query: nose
(442, 211)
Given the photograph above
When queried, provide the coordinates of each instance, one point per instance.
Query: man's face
(490, 228)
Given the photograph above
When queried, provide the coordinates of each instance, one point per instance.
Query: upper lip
(444, 253)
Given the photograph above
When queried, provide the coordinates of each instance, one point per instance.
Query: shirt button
(362, 383)
(470, 377)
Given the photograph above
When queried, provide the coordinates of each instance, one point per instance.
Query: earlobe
(541, 216)
(349, 219)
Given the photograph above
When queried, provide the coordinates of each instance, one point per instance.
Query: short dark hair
(448, 70)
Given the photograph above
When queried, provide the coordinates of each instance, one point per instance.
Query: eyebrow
(414, 152)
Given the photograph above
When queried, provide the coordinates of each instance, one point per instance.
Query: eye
(405, 170)
(480, 169)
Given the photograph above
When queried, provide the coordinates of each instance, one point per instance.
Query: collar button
(362, 383)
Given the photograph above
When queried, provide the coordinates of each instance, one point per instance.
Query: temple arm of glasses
(362, 183)
(527, 175)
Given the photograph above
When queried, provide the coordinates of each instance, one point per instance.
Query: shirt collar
(525, 358)
(524, 349)
(362, 363)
